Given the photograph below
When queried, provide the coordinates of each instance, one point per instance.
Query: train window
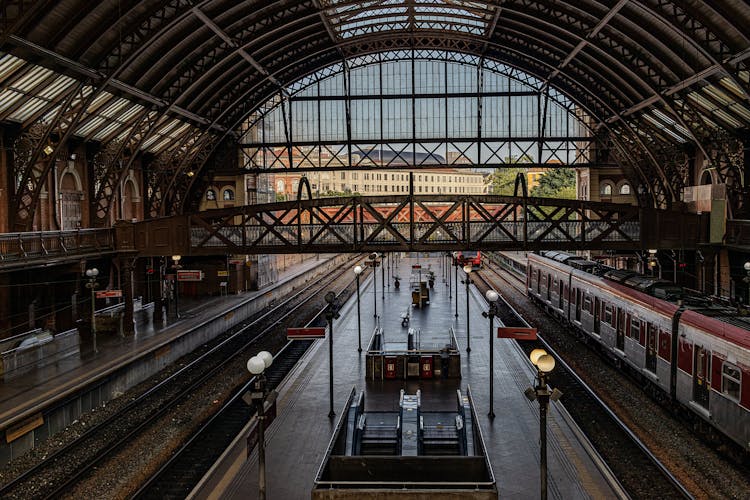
(635, 328)
(587, 304)
(608, 315)
(730, 381)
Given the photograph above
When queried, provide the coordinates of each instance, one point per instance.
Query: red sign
(305, 333)
(516, 333)
(189, 275)
(108, 294)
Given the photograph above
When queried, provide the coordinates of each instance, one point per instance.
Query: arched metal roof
(661, 78)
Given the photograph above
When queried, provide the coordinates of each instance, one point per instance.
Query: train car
(469, 257)
(690, 351)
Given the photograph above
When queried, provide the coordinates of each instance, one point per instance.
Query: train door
(651, 340)
(579, 299)
(561, 293)
(701, 384)
(620, 329)
(549, 286)
(597, 313)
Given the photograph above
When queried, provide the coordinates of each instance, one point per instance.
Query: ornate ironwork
(31, 168)
(420, 222)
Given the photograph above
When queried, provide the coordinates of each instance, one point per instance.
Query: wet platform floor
(299, 436)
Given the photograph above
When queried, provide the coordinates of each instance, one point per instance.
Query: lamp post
(92, 284)
(544, 364)
(468, 281)
(382, 276)
(357, 272)
(746, 279)
(257, 366)
(448, 275)
(455, 263)
(492, 297)
(177, 267)
(374, 259)
(332, 312)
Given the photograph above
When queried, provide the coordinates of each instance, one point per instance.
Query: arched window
(606, 189)
(228, 195)
(211, 195)
(625, 188)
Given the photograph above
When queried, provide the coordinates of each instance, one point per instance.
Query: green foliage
(556, 183)
(503, 180)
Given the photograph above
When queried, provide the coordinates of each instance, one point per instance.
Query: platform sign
(222, 273)
(305, 333)
(516, 333)
(108, 294)
(189, 275)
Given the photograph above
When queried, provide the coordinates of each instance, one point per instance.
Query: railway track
(177, 477)
(640, 472)
(59, 473)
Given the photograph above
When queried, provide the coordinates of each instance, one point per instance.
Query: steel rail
(83, 469)
(147, 490)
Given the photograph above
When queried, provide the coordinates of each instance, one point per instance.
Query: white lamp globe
(357, 270)
(546, 363)
(747, 266)
(491, 295)
(256, 365)
(536, 354)
(467, 268)
(266, 357)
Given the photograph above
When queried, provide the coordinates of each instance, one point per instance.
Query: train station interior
(343, 203)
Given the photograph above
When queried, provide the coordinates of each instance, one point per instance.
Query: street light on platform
(382, 275)
(468, 281)
(746, 279)
(332, 312)
(357, 272)
(257, 366)
(455, 264)
(177, 267)
(374, 262)
(91, 274)
(492, 296)
(544, 364)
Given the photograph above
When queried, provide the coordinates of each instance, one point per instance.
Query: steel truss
(429, 223)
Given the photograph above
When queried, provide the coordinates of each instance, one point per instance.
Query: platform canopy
(662, 82)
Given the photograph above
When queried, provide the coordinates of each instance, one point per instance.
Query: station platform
(298, 437)
(29, 393)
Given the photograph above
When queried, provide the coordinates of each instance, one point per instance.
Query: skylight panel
(57, 87)
(456, 15)
(727, 118)
(9, 64)
(31, 79)
(130, 113)
(729, 84)
(90, 126)
(8, 98)
(30, 106)
(103, 133)
(717, 94)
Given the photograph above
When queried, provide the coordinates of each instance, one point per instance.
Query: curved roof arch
(658, 75)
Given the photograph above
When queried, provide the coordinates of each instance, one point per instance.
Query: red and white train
(692, 351)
